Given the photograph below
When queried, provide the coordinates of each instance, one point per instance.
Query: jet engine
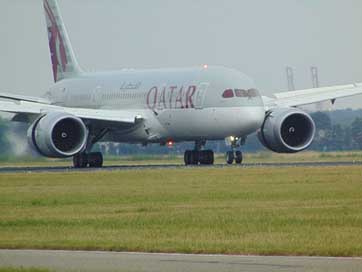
(58, 135)
(287, 130)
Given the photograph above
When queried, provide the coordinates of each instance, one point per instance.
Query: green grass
(288, 211)
(9, 269)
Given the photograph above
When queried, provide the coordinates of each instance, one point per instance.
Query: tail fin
(63, 59)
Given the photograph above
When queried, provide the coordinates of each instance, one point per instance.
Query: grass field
(288, 211)
(9, 269)
(261, 157)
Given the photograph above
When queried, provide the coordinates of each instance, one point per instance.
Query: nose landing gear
(234, 156)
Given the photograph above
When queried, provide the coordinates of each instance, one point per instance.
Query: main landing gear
(199, 156)
(84, 160)
(90, 159)
(194, 157)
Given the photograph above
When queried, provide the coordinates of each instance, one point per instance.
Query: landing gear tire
(210, 157)
(238, 157)
(95, 160)
(80, 160)
(187, 157)
(199, 157)
(194, 158)
(230, 157)
(191, 157)
(83, 160)
(206, 157)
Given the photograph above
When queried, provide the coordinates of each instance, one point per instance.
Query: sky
(257, 37)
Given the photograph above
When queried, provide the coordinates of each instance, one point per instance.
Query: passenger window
(228, 94)
(241, 93)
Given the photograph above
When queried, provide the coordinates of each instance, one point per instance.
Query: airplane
(162, 106)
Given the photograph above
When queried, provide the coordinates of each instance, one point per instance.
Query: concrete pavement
(145, 262)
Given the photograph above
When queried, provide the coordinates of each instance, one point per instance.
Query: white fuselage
(176, 104)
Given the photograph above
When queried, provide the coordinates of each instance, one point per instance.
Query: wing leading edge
(16, 97)
(311, 96)
(34, 108)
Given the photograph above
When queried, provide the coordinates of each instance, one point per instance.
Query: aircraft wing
(311, 96)
(35, 109)
(16, 97)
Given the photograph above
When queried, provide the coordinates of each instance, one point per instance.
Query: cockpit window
(241, 93)
(253, 93)
(228, 93)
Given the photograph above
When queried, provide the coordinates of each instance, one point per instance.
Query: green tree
(347, 139)
(5, 146)
(323, 131)
(357, 132)
(337, 140)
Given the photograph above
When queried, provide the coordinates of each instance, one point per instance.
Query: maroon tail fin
(64, 63)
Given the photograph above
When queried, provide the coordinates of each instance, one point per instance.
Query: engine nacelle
(58, 135)
(287, 130)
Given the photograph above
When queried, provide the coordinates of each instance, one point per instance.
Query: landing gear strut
(199, 156)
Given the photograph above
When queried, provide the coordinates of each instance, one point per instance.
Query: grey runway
(145, 262)
(58, 169)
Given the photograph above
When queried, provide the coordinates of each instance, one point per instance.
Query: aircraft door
(200, 95)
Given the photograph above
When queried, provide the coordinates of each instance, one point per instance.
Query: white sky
(257, 37)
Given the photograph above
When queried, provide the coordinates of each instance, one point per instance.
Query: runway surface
(58, 169)
(145, 262)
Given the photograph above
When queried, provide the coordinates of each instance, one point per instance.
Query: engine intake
(58, 135)
(287, 131)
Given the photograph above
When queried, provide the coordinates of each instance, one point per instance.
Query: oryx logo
(56, 43)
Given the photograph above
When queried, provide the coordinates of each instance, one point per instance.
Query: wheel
(210, 157)
(99, 160)
(194, 158)
(230, 157)
(203, 157)
(238, 157)
(187, 157)
(95, 160)
(80, 160)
